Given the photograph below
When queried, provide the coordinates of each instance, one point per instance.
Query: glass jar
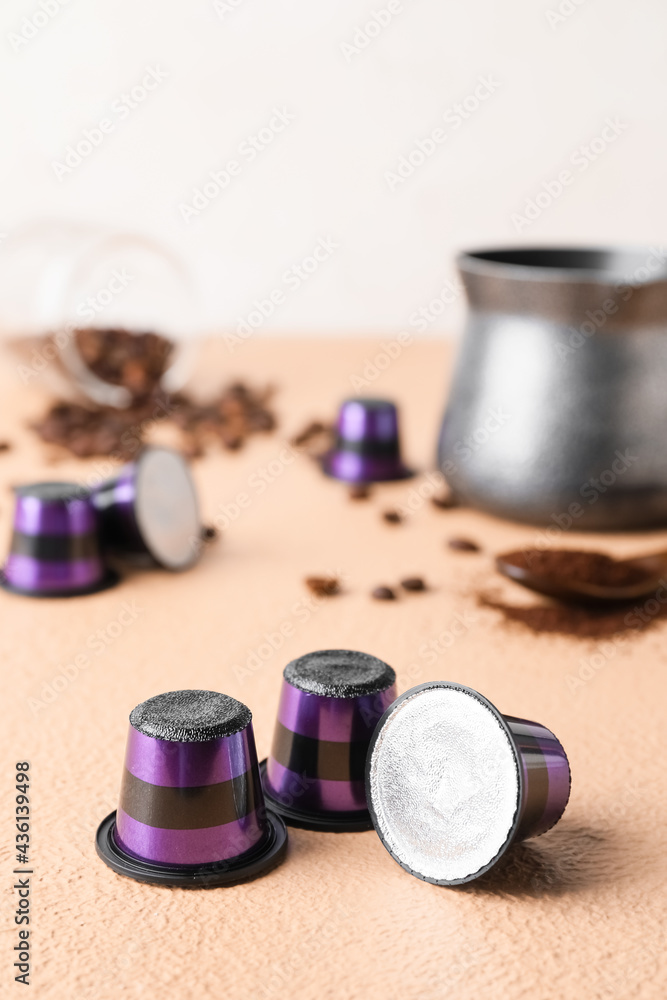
(57, 278)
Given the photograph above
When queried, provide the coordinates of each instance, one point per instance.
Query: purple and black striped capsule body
(191, 808)
(451, 782)
(55, 549)
(329, 706)
(545, 777)
(367, 447)
(149, 511)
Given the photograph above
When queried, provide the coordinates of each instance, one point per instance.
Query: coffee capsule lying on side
(451, 782)
(149, 511)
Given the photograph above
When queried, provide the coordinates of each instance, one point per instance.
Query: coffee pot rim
(636, 265)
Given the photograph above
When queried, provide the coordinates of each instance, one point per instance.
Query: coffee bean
(315, 440)
(323, 586)
(413, 584)
(208, 533)
(311, 430)
(136, 361)
(82, 445)
(463, 545)
(5, 446)
(445, 501)
(231, 441)
(383, 594)
(392, 517)
(359, 491)
(192, 449)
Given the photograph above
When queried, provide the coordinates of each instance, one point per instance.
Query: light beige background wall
(360, 85)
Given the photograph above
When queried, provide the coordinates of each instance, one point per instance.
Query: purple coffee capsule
(329, 706)
(150, 512)
(55, 550)
(451, 782)
(191, 810)
(367, 448)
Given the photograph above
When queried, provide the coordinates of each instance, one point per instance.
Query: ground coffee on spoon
(584, 621)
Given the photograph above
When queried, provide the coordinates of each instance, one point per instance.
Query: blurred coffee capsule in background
(367, 448)
(452, 783)
(149, 511)
(55, 548)
(191, 811)
(329, 706)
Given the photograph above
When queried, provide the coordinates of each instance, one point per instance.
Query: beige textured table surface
(577, 913)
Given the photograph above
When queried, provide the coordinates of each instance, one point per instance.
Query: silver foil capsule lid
(451, 782)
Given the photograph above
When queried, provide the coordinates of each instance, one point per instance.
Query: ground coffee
(586, 621)
(579, 620)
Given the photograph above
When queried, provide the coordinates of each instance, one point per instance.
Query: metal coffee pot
(558, 409)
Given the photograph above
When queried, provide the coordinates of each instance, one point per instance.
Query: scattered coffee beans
(323, 586)
(383, 594)
(444, 501)
(360, 491)
(463, 545)
(4, 446)
(208, 533)
(392, 517)
(316, 439)
(414, 584)
(137, 361)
